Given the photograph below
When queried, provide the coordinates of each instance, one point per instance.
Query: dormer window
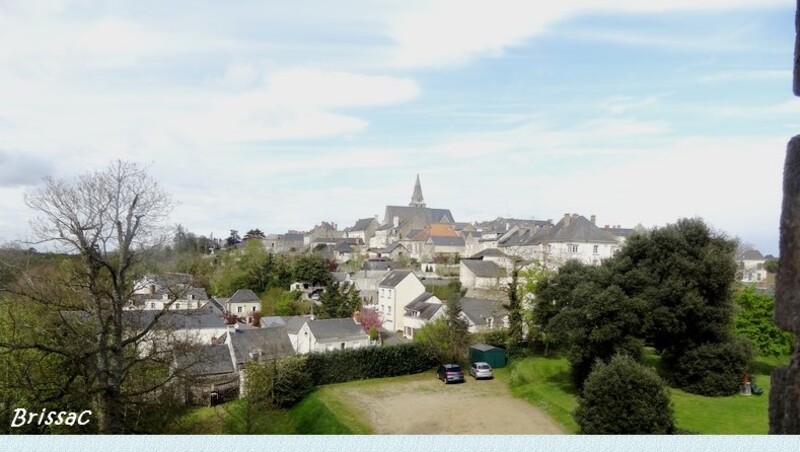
(165, 296)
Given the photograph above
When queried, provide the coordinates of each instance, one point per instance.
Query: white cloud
(445, 32)
(295, 103)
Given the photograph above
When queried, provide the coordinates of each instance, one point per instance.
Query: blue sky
(277, 116)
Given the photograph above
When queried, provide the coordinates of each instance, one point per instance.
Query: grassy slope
(319, 413)
(545, 382)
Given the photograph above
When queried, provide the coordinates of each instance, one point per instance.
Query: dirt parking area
(428, 406)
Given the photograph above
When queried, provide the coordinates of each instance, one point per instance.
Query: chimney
(396, 221)
(357, 317)
(567, 219)
(592, 218)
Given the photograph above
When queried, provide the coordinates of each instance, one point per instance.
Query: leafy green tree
(771, 266)
(686, 273)
(458, 330)
(277, 301)
(339, 301)
(597, 321)
(451, 291)
(312, 269)
(514, 308)
(233, 239)
(436, 336)
(624, 397)
(254, 234)
(755, 319)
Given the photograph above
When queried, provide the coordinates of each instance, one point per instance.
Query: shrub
(624, 397)
(364, 363)
(713, 369)
(280, 383)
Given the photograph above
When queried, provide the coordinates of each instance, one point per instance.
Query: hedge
(371, 362)
(287, 381)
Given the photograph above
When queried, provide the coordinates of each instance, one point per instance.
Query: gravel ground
(428, 406)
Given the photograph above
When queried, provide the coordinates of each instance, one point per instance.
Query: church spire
(416, 198)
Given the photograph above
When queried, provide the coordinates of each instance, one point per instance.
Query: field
(545, 382)
(532, 396)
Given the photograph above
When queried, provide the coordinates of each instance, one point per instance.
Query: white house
(395, 291)
(481, 274)
(328, 335)
(420, 311)
(484, 314)
(574, 237)
(751, 266)
(243, 303)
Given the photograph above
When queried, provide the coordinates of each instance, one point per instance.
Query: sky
(279, 115)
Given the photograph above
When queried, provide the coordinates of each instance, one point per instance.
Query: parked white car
(481, 370)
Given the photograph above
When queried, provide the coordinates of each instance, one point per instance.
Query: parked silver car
(481, 370)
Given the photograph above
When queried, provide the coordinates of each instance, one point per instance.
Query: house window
(389, 310)
(572, 248)
(177, 305)
(596, 249)
(758, 276)
(152, 305)
(342, 345)
(239, 309)
(191, 297)
(254, 309)
(759, 266)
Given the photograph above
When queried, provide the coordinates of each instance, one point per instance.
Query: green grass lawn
(546, 383)
(319, 413)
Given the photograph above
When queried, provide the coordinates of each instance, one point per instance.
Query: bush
(624, 397)
(713, 369)
(280, 383)
(364, 363)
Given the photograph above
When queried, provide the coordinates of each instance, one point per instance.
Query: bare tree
(109, 220)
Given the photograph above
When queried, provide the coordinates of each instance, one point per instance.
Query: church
(416, 216)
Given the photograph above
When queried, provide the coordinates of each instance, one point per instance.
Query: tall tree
(514, 308)
(458, 330)
(311, 269)
(111, 220)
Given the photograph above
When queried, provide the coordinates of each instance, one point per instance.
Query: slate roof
(379, 264)
(339, 276)
(500, 224)
(344, 247)
(392, 246)
(577, 228)
(425, 308)
(447, 241)
(244, 296)
(479, 309)
(294, 323)
(334, 329)
(620, 232)
(206, 317)
(207, 360)
(427, 215)
(394, 278)
(488, 252)
(362, 224)
(293, 237)
(273, 342)
(272, 321)
(752, 255)
(484, 269)
(218, 303)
